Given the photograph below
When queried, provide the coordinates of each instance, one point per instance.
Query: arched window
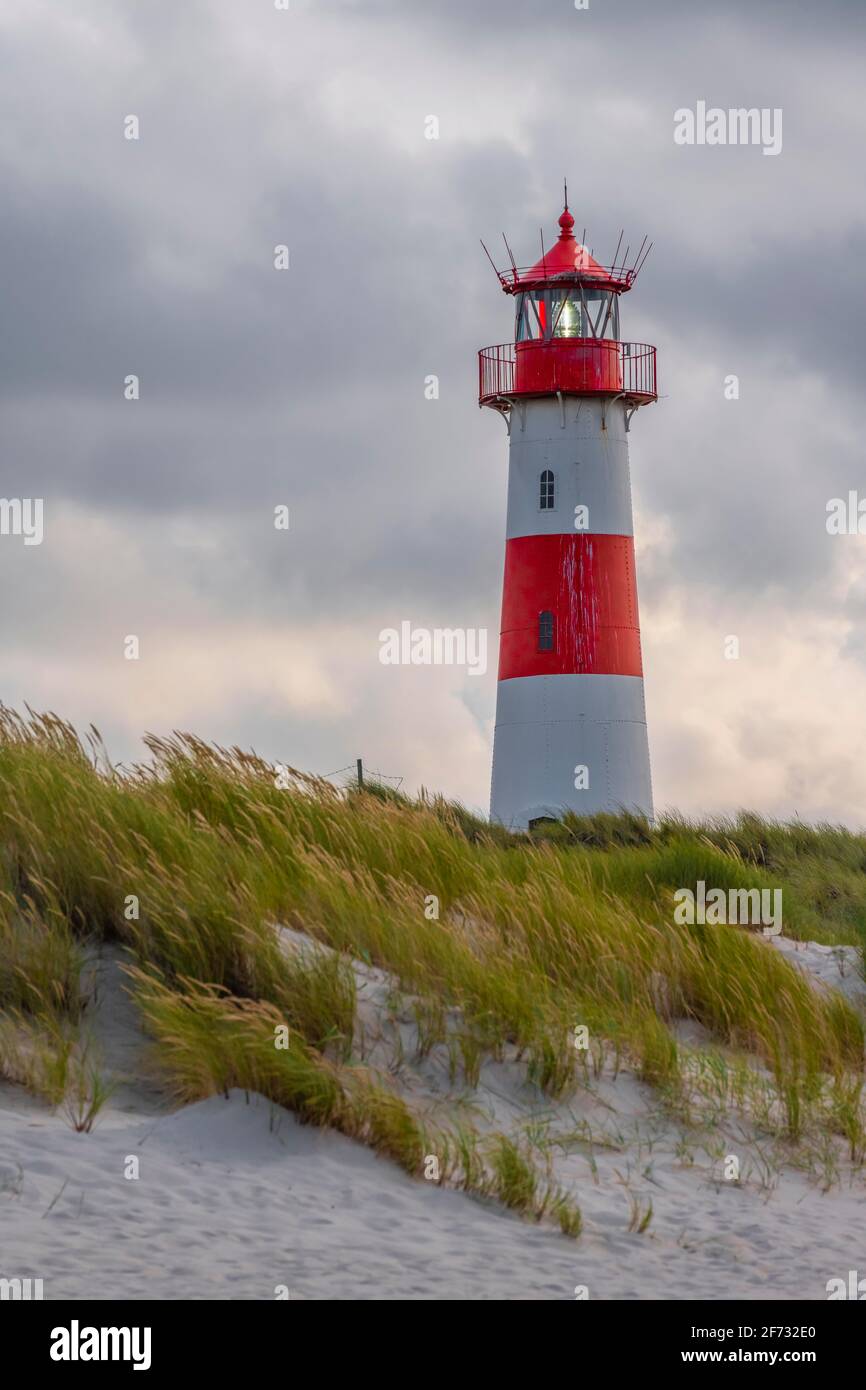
(546, 491)
(545, 632)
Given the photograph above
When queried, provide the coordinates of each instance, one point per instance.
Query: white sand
(835, 967)
(235, 1198)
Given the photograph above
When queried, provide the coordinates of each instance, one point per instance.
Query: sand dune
(236, 1199)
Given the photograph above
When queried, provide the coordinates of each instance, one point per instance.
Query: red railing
(575, 366)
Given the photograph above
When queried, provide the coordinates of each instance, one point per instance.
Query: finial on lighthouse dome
(566, 221)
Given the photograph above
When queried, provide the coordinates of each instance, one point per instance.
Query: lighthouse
(571, 731)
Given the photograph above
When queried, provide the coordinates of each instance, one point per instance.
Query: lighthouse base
(569, 743)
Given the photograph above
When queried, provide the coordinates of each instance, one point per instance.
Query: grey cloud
(307, 387)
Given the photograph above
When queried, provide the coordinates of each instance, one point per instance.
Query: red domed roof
(569, 261)
(567, 256)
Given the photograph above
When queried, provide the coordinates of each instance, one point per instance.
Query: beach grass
(196, 859)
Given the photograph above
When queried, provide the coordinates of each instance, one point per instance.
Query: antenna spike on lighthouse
(645, 254)
(565, 191)
(638, 256)
(500, 277)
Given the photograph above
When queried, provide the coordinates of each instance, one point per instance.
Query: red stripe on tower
(587, 584)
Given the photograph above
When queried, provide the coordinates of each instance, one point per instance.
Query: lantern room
(567, 330)
(566, 312)
(566, 294)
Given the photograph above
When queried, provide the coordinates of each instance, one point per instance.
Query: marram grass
(196, 859)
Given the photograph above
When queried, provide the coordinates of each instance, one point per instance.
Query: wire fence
(357, 774)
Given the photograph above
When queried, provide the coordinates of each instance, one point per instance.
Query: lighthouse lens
(595, 315)
(568, 318)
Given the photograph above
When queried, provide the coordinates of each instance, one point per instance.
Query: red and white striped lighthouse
(570, 717)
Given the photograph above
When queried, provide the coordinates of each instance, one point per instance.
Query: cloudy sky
(306, 388)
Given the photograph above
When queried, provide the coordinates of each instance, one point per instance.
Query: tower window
(545, 632)
(546, 491)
